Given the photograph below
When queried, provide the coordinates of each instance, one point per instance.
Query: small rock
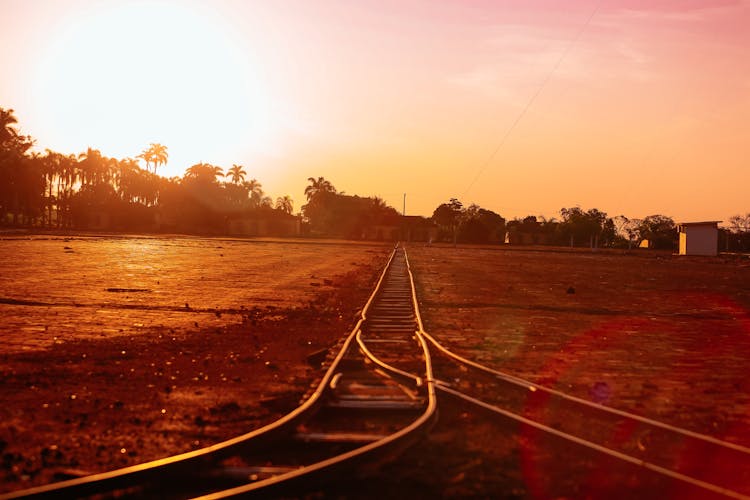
(271, 366)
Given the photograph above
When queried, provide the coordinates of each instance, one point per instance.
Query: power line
(532, 99)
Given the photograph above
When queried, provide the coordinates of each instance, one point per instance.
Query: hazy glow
(121, 75)
(642, 110)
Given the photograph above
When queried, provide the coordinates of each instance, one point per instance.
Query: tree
(627, 229)
(95, 168)
(285, 204)
(739, 227)
(479, 225)
(19, 175)
(156, 154)
(379, 212)
(255, 191)
(740, 223)
(146, 156)
(237, 173)
(8, 131)
(446, 216)
(591, 225)
(159, 155)
(204, 172)
(659, 230)
(319, 185)
(322, 205)
(136, 185)
(54, 171)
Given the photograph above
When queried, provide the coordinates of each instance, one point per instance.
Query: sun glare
(120, 76)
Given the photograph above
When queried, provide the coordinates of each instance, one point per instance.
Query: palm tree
(319, 185)
(131, 180)
(159, 155)
(95, 168)
(285, 204)
(237, 172)
(255, 191)
(69, 175)
(204, 171)
(156, 154)
(53, 171)
(7, 122)
(145, 156)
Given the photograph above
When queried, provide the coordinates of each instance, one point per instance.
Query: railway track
(702, 466)
(376, 397)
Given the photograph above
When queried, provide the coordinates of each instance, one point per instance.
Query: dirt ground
(118, 351)
(217, 345)
(651, 333)
(658, 335)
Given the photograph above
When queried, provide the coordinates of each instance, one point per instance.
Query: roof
(704, 223)
(682, 226)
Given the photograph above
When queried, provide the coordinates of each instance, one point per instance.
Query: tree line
(55, 190)
(334, 214)
(575, 227)
(67, 191)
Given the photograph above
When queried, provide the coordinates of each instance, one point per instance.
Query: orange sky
(634, 107)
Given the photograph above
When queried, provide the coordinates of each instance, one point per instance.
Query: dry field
(655, 334)
(120, 350)
(658, 335)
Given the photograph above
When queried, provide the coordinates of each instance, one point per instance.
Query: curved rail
(206, 457)
(536, 388)
(384, 444)
(445, 388)
(595, 447)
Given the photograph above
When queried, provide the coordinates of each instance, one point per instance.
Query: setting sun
(523, 107)
(122, 75)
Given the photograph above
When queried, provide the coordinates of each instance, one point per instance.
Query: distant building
(263, 222)
(418, 228)
(699, 238)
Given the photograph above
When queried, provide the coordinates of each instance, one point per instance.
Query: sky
(634, 107)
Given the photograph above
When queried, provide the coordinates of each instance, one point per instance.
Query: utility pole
(404, 229)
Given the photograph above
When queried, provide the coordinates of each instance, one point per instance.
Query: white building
(699, 238)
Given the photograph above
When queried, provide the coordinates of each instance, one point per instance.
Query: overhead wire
(533, 98)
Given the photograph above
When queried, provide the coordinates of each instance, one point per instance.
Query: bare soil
(658, 335)
(118, 351)
(95, 378)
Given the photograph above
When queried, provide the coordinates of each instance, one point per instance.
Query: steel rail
(536, 387)
(593, 446)
(358, 454)
(392, 369)
(445, 387)
(442, 386)
(142, 473)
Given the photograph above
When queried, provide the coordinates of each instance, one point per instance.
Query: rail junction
(379, 395)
